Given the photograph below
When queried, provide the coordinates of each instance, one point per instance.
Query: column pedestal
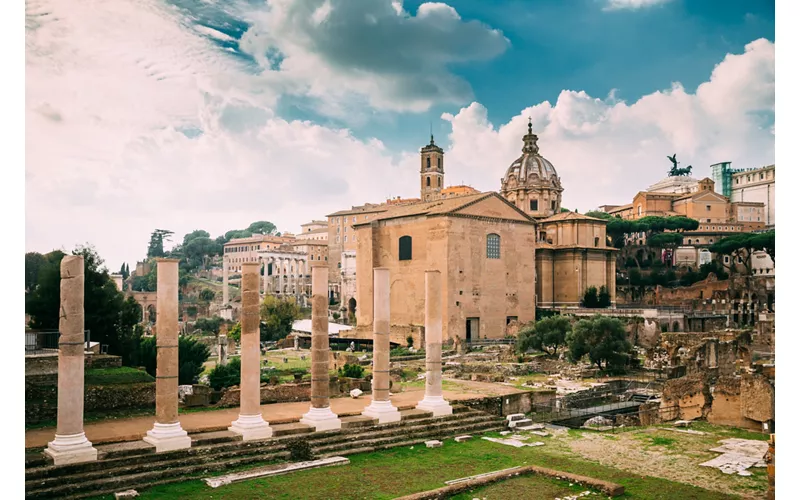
(322, 419)
(384, 411)
(70, 449)
(436, 405)
(251, 427)
(168, 437)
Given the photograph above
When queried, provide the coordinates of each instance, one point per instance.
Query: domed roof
(531, 169)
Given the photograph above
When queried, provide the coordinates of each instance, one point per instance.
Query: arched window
(492, 246)
(405, 248)
(428, 181)
(428, 166)
(439, 162)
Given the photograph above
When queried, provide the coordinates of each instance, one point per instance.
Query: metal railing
(46, 341)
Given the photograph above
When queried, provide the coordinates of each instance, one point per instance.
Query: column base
(71, 449)
(251, 427)
(384, 411)
(168, 437)
(436, 405)
(322, 419)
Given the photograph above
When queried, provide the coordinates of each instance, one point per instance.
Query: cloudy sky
(211, 114)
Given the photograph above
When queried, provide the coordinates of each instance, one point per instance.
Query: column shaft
(250, 424)
(433, 401)
(167, 433)
(381, 407)
(70, 444)
(320, 415)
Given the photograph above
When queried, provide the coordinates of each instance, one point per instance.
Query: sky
(212, 114)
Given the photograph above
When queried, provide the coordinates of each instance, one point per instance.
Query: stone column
(224, 281)
(320, 415)
(250, 424)
(280, 276)
(381, 407)
(167, 433)
(433, 401)
(70, 444)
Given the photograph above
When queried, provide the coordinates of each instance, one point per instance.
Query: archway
(151, 314)
(351, 305)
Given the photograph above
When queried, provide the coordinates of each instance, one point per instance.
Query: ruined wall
(689, 395)
(758, 398)
(726, 405)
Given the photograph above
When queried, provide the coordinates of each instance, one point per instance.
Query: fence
(46, 341)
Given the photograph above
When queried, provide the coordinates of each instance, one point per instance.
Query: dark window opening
(428, 181)
(405, 248)
(429, 163)
(534, 205)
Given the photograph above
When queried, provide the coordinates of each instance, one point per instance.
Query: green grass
(401, 471)
(114, 376)
(528, 486)
(661, 441)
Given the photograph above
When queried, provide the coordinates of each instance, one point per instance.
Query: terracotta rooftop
(570, 216)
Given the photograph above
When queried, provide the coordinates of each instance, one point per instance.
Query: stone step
(205, 438)
(415, 414)
(123, 470)
(358, 421)
(382, 440)
(113, 483)
(291, 429)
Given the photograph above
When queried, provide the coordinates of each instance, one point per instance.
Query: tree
(603, 297)
(156, 246)
(590, 298)
(123, 270)
(665, 240)
(33, 263)
(278, 315)
(262, 227)
(547, 335)
(236, 332)
(108, 316)
(744, 244)
(237, 233)
(210, 325)
(222, 376)
(207, 294)
(603, 339)
(599, 215)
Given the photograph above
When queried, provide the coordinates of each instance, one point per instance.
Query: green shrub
(114, 376)
(223, 376)
(191, 355)
(410, 341)
(351, 371)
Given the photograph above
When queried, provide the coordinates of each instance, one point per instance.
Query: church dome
(531, 182)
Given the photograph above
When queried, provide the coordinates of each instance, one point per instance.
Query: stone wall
(286, 393)
(518, 402)
(689, 395)
(44, 364)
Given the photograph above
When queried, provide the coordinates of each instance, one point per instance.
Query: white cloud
(607, 150)
(632, 4)
(134, 122)
(344, 51)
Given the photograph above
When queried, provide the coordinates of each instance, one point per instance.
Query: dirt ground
(669, 455)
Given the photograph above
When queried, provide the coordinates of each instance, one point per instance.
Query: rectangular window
(493, 246)
(509, 319)
(404, 250)
(708, 208)
(345, 239)
(553, 205)
(534, 205)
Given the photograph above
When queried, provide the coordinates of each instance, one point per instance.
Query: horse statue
(675, 171)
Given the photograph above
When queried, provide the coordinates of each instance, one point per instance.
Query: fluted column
(433, 401)
(250, 424)
(167, 433)
(320, 415)
(70, 444)
(381, 407)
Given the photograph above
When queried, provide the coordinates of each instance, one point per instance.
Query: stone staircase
(135, 464)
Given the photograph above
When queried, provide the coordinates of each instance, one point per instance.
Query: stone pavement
(131, 429)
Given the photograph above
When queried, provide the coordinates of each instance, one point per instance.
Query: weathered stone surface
(758, 398)
(355, 393)
(433, 444)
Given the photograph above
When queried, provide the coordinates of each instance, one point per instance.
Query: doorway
(473, 329)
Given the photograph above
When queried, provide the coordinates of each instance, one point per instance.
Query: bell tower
(431, 172)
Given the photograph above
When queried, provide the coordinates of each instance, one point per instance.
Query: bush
(590, 299)
(603, 297)
(191, 355)
(236, 332)
(114, 376)
(410, 341)
(223, 376)
(351, 371)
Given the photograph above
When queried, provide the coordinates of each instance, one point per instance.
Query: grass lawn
(391, 473)
(530, 487)
(114, 376)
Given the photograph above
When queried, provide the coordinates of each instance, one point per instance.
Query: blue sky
(139, 111)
